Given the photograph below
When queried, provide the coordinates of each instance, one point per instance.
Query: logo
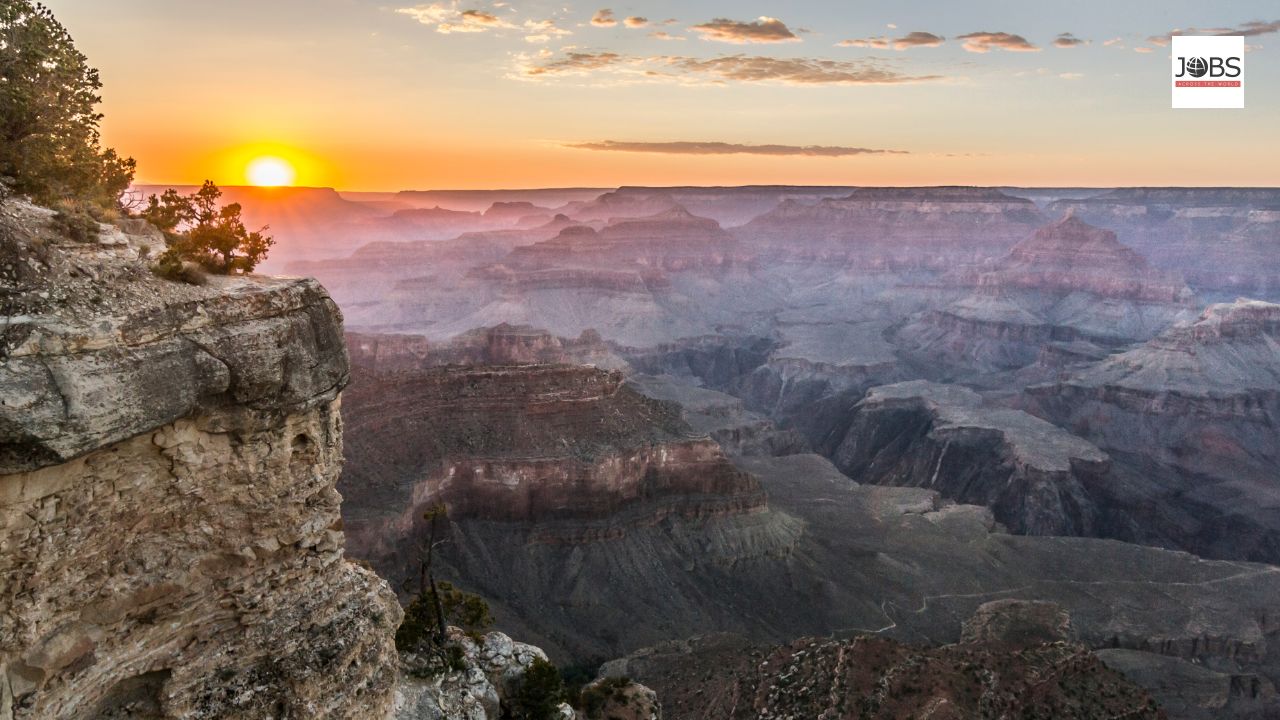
(1208, 72)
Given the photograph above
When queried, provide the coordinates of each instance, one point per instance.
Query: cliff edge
(170, 539)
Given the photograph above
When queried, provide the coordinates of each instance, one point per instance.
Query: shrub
(540, 693)
(200, 230)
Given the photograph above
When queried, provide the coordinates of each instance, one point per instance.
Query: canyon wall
(170, 538)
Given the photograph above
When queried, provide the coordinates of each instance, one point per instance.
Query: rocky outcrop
(1025, 669)
(673, 240)
(170, 539)
(621, 203)
(1221, 239)
(1191, 417)
(1036, 477)
(1068, 283)
(502, 344)
(526, 444)
(489, 671)
(895, 229)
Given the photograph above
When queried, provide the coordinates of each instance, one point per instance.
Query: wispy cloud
(604, 18)
(906, 42)
(447, 19)
(761, 30)
(540, 31)
(635, 21)
(664, 35)
(981, 42)
(879, 43)
(1067, 40)
(1253, 28)
(722, 69)
(724, 148)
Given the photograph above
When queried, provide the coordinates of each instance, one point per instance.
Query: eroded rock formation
(170, 539)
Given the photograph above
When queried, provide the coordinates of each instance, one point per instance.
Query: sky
(385, 95)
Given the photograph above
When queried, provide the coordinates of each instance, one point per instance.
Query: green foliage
(76, 221)
(540, 693)
(467, 611)
(199, 229)
(595, 698)
(50, 146)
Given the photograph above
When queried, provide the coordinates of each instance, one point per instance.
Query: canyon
(903, 409)
(804, 447)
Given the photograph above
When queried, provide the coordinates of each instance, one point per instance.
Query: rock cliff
(1068, 282)
(1034, 476)
(1190, 419)
(170, 539)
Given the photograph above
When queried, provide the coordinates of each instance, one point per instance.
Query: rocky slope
(489, 671)
(170, 539)
(1014, 659)
(1222, 239)
(1190, 418)
(1035, 477)
(1068, 282)
(895, 229)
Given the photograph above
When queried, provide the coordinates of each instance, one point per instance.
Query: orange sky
(364, 95)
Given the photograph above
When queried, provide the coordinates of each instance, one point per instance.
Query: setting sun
(270, 172)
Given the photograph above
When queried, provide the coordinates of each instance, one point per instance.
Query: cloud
(1144, 49)
(878, 43)
(446, 19)
(723, 148)
(981, 42)
(722, 69)
(906, 42)
(1067, 40)
(664, 35)
(635, 21)
(541, 31)
(575, 63)
(1253, 28)
(917, 39)
(761, 30)
(1070, 75)
(1114, 42)
(603, 18)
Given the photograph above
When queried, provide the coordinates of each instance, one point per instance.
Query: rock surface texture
(170, 540)
(1015, 660)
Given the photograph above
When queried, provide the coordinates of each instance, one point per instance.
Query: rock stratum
(170, 537)
(1190, 419)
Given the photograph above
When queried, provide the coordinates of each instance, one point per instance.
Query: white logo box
(1221, 82)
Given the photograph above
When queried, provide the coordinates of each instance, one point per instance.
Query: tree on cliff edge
(50, 147)
(199, 229)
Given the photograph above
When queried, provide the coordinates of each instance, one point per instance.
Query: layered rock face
(1034, 476)
(526, 444)
(1222, 239)
(896, 229)
(502, 344)
(622, 203)
(672, 240)
(170, 539)
(1069, 282)
(1192, 414)
(1014, 660)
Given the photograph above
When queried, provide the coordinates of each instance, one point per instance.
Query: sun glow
(270, 172)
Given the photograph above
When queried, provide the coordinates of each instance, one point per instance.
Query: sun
(270, 172)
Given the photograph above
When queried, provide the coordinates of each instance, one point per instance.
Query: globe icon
(1197, 67)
